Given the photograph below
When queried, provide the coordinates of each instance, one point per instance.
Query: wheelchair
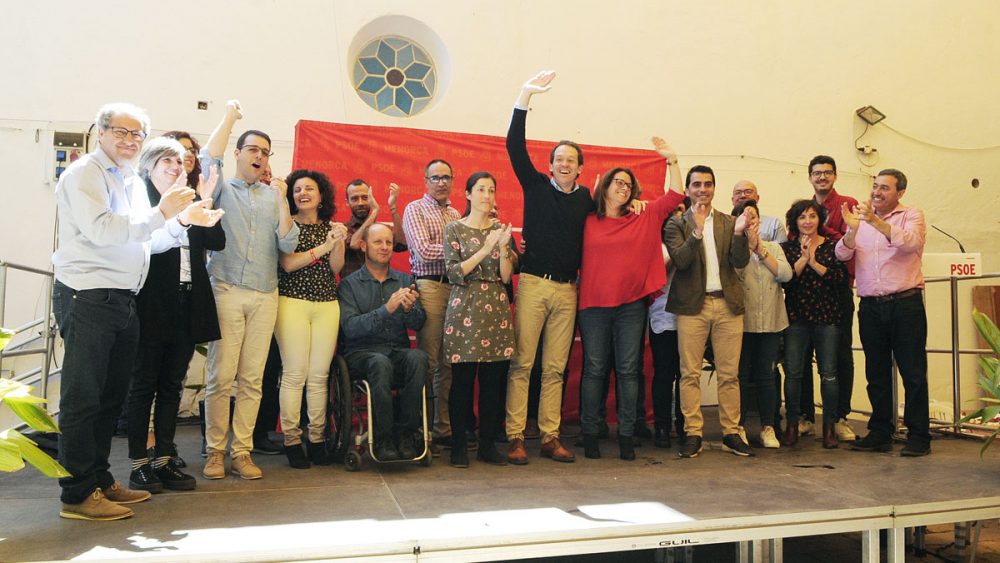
(349, 421)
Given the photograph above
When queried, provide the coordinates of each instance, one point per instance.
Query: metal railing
(956, 351)
(47, 333)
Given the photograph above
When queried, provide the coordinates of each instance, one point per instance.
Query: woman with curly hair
(308, 314)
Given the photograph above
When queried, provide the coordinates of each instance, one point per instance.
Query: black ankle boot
(488, 453)
(626, 448)
(459, 457)
(318, 454)
(591, 446)
(296, 457)
(661, 437)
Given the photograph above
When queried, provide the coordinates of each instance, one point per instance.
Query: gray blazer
(687, 292)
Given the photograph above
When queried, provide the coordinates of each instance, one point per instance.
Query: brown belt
(718, 294)
(894, 296)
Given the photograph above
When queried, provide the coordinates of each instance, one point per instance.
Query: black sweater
(553, 219)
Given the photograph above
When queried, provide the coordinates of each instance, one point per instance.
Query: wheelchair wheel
(352, 461)
(338, 410)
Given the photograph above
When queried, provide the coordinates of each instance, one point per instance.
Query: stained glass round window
(394, 76)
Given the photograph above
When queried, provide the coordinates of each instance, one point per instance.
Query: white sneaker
(844, 432)
(805, 427)
(768, 438)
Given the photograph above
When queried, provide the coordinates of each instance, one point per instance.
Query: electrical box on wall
(66, 148)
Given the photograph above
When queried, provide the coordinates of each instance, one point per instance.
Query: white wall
(753, 89)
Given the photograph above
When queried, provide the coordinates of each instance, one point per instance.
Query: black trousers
(267, 414)
(666, 378)
(492, 396)
(100, 330)
(896, 329)
(159, 377)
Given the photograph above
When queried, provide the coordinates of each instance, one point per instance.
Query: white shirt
(713, 281)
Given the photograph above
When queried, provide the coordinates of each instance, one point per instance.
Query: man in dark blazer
(707, 297)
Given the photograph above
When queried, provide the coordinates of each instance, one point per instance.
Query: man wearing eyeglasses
(245, 282)
(771, 228)
(823, 176)
(107, 230)
(423, 224)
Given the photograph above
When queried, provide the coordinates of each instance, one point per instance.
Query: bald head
(376, 243)
(744, 190)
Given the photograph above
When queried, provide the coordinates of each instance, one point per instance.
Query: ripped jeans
(824, 340)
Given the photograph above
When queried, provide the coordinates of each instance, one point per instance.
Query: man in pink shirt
(886, 240)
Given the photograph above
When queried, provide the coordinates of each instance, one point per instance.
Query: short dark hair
(822, 159)
(326, 208)
(742, 206)
(196, 171)
(475, 177)
(451, 169)
(798, 208)
(899, 176)
(565, 143)
(352, 183)
(602, 188)
(247, 133)
(700, 168)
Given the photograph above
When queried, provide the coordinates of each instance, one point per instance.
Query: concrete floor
(314, 511)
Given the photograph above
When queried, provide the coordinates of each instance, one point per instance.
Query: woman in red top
(622, 264)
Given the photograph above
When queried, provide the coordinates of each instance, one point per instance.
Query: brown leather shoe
(516, 454)
(555, 450)
(119, 494)
(791, 434)
(95, 507)
(830, 436)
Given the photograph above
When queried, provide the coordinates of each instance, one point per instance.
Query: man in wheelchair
(377, 307)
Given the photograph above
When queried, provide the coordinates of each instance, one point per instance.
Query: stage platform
(413, 513)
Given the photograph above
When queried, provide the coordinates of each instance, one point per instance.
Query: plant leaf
(26, 406)
(988, 329)
(986, 444)
(33, 455)
(5, 336)
(10, 456)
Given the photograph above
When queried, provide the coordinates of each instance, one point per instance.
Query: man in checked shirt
(423, 223)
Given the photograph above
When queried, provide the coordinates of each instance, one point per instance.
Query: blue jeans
(757, 361)
(601, 330)
(403, 369)
(100, 330)
(825, 340)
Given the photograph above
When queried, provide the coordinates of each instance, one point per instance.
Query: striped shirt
(423, 222)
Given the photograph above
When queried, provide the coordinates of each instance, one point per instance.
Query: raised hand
(539, 83)
(201, 214)
(850, 217)
(505, 234)
(699, 213)
(753, 236)
(279, 187)
(664, 150)
(492, 238)
(176, 199)
(372, 205)
(743, 221)
(338, 232)
(206, 187)
(234, 110)
(393, 196)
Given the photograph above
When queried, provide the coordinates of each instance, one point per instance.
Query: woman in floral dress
(478, 331)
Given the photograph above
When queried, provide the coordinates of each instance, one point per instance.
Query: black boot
(626, 448)
(296, 457)
(459, 453)
(661, 438)
(488, 453)
(318, 454)
(591, 446)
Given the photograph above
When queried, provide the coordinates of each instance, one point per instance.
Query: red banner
(380, 155)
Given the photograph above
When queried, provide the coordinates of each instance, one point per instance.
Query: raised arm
(219, 138)
(517, 150)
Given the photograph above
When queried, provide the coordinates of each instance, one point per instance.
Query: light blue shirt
(771, 229)
(107, 228)
(252, 219)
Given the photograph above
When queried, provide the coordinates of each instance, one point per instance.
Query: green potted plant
(16, 448)
(989, 381)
